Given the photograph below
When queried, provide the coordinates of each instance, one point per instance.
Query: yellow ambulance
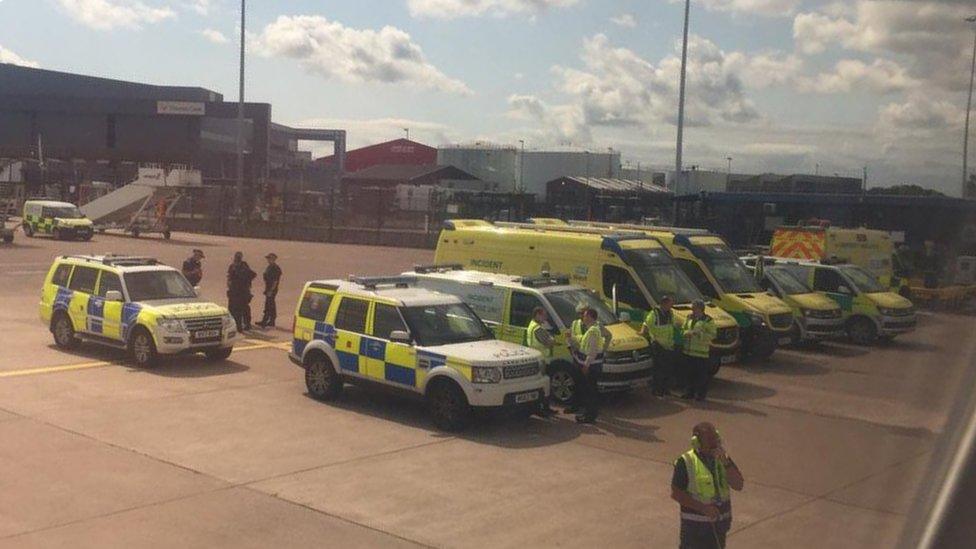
(628, 270)
(764, 321)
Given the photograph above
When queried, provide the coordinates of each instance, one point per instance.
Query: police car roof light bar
(437, 267)
(129, 260)
(545, 280)
(371, 282)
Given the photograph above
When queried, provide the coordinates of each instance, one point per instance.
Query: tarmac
(834, 440)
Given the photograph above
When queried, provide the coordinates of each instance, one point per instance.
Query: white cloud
(764, 70)
(771, 8)
(625, 20)
(214, 36)
(332, 50)
(560, 123)
(203, 7)
(852, 75)
(932, 37)
(363, 132)
(7, 56)
(110, 14)
(920, 112)
(452, 9)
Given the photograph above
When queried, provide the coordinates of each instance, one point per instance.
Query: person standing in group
(698, 333)
(272, 277)
(662, 330)
(239, 277)
(589, 358)
(193, 269)
(575, 337)
(701, 483)
(538, 337)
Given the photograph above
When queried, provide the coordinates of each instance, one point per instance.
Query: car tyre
(862, 331)
(8, 238)
(562, 384)
(167, 234)
(63, 331)
(28, 231)
(321, 379)
(216, 355)
(57, 234)
(448, 406)
(142, 348)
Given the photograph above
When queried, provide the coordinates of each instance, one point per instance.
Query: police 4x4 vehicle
(506, 303)
(386, 331)
(62, 220)
(132, 303)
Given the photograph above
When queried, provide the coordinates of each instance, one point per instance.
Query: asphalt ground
(833, 441)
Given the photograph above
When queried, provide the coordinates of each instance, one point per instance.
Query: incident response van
(872, 250)
(815, 316)
(506, 303)
(764, 320)
(387, 331)
(871, 311)
(132, 303)
(62, 220)
(628, 270)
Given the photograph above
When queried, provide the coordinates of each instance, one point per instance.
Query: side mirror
(844, 290)
(399, 336)
(113, 295)
(623, 316)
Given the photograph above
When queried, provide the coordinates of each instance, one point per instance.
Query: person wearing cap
(662, 331)
(239, 278)
(272, 276)
(697, 333)
(193, 269)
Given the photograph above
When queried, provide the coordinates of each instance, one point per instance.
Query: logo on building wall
(183, 108)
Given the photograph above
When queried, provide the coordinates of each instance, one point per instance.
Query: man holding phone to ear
(702, 478)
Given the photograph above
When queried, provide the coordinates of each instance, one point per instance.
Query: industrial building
(398, 152)
(606, 199)
(73, 128)
(528, 171)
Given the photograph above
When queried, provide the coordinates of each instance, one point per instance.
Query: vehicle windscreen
(433, 325)
(863, 280)
(62, 212)
(728, 270)
(661, 276)
(567, 302)
(787, 282)
(150, 285)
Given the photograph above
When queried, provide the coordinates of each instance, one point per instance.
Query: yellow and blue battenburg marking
(96, 314)
(63, 299)
(130, 312)
(322, 331)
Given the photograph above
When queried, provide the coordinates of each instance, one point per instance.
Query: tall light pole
(969, 106)
(728, 174)
(407, 131)
(239, 187)
(521, 183)
(681, 97)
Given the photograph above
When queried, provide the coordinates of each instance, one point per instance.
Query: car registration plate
(206, 334)
(727, 359)
(527, 397)
(785, 340)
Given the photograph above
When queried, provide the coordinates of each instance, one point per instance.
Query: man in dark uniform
(700, 485)
(193, 269)
(239, 277)
(272, 276)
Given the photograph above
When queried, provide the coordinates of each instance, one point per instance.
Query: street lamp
(407, 131)
(681, 96)
(728, 174)
(969, 106)
(521, 184)
(239, 186)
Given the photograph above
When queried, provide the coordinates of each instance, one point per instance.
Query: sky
(785, 86)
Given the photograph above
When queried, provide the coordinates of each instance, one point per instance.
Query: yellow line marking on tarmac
(255, 345)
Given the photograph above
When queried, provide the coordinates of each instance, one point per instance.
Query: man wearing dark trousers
(272, 277)
(701, 483)
(590, 361)
(662, 330)
(239, 277)
(697, 335)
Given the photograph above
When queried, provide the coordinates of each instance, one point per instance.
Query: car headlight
(757, 319)
(485, 374)
(170, 324)
(228, 321)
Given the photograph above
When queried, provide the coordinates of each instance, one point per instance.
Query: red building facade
(400, 152)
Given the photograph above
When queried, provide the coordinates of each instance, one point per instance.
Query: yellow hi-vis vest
(662, 333)
(698, 336)
(576, 332)
(532, 341)
(706, 488)
(592, 336)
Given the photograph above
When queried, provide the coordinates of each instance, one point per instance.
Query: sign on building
(182, 108)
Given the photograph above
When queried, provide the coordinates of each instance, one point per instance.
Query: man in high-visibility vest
(575, 341)
(538, 337)
(697, 334)
(589, 358)
(701, 483)
(662, 330)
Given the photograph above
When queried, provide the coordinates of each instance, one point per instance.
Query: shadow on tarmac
(839, 351)
(912, 346)
(188, 366)
(794, 366)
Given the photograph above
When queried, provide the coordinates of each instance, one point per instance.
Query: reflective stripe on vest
(705, 488)
(576, 332)
(593, 336)
(532, 341)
